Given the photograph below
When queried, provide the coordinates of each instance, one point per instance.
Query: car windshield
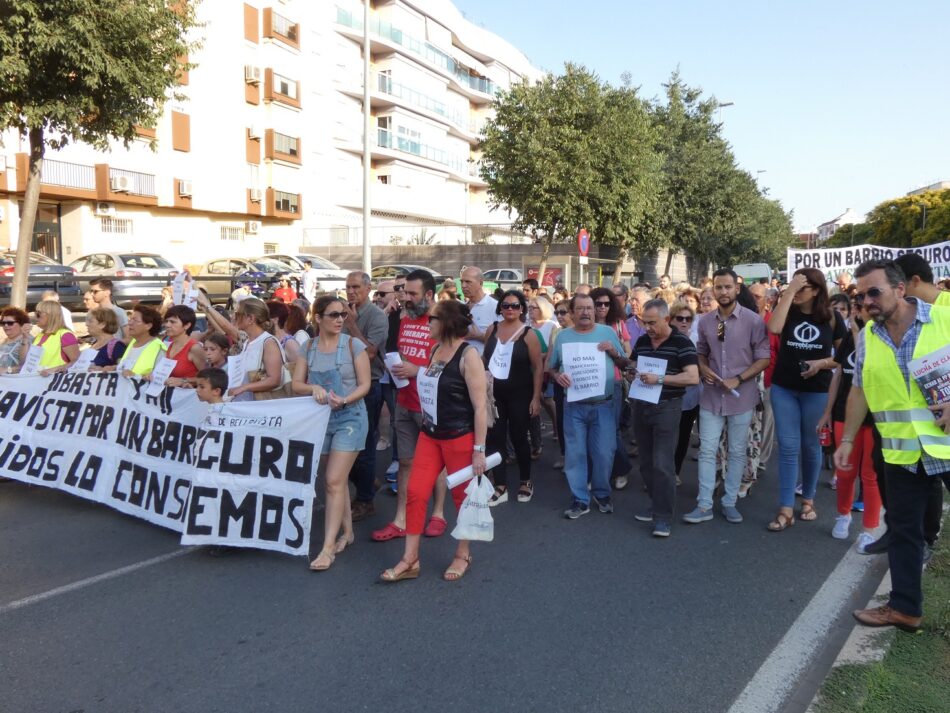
(153, 262)
(271, 266)
(318, 261)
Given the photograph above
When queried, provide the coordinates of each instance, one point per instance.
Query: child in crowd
(210, 385)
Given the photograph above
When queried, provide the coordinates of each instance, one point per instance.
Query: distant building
(807, 240)
(938, 186)
(830, 227)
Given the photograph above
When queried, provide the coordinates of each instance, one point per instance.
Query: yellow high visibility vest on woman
(901, 415)
(52, 349)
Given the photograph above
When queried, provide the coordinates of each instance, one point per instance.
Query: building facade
(830, 227)
(265, 153)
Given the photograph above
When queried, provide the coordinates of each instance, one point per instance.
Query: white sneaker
(620, 482)
(864, 539)
(393, 468)
(842, 525)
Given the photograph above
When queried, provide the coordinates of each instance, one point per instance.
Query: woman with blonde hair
(263, 356)
(60, 345)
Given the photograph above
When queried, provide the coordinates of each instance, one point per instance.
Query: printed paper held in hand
(236, 371)
(31, 364)
(394, 359)
(160, 373)
(587, 367)
(932, 374)
(86, 357)
(178, 287)
(647, 392)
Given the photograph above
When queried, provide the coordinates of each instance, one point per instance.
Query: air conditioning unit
(256, 195)
(121, 184)
(104, 209)
(254, 132)
(252, 227)
(184, 189)
(252, 74)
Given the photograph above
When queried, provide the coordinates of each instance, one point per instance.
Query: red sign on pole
(583, 242)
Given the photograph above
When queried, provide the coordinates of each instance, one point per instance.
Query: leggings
(862, 464)
(559, 411)
(687, 419)
(512, 421)
(432, 455)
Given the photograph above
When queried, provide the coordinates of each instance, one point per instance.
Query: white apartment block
(265, 153)
(830, 227)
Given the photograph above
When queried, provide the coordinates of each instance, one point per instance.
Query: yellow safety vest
(943, 299)
(146, 359)
(902, 417)
(52, 349)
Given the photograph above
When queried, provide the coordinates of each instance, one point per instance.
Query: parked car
(507, 278)
(391, 272)
(135, 276)
(45, 274)
(330, 276)
(261, 275)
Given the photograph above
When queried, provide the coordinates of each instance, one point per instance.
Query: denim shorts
(347, 429)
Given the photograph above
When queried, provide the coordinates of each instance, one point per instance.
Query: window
(229, 232)
(285, 202)
(270, 248)
(218, 267)
(285, 144)
(149, 262)
(280, 25)
(284, 85)
(117, 226)
(383, 178)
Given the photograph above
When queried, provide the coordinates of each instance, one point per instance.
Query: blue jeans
(710, 432)
(590, 430)
(796, 415)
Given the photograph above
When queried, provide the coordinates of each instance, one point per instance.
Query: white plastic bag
(474, 518)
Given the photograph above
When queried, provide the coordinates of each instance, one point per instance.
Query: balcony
(386, 140)
(68, 175)
(426, 51)
(281, 90)
(385, 85)
(138, 184)
(280, 147)
(277, 27)
(281, 204)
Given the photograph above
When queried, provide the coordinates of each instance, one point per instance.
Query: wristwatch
(478, 449)
(741, 380)
(660, 379)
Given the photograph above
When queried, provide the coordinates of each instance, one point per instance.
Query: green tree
(851, 234)
(84, 70)
(538, 155)
(911, 221)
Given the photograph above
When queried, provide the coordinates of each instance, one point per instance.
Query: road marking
(779, 674)
(89, 581)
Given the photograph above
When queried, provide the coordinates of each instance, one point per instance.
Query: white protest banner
(648, 392)
(103, 438)
(32, 362)
(160, 373)
(395, 359)
(831, 261)
(587, 367)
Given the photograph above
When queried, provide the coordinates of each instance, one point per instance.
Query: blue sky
(842, 103)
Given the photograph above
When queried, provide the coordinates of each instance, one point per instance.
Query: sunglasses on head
(873, 293)
(511, 305)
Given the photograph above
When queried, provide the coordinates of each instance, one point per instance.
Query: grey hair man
(482, 306)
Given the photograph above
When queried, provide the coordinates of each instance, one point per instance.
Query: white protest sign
(648, 392)
(236, 370)
(86, 357)
(160, 373)
(500, 363)
(427, 384)
(32, 362)
(191, 299)
(831, 261)
(129, 359)
(395, 359)
(587, 367)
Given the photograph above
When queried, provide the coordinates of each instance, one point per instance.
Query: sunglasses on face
(334, 315)
(684, 318)
(8, 323)
(873, 293)
(382, 294)
(511, 305)
(603, 304)
(433, 318)
(399, 288)
(561, 312)
(721, 331)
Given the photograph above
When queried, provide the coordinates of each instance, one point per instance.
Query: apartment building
(265, 153)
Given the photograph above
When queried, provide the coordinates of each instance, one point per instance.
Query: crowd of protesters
(808, 367)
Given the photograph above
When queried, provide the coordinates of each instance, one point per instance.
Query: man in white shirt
(309, 281)
(67, 316)
(482, 306)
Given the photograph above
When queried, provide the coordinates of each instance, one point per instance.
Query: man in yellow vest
(916, 446)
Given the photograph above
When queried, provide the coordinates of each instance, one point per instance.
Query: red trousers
(861, 464)
(432, 455)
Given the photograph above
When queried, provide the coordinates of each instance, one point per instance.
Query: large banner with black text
(831, 261)
(238, 474)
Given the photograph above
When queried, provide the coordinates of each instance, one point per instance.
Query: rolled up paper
(466, 474)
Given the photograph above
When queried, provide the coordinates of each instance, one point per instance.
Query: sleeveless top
(456, 415)
(184, 369)
(519, 377)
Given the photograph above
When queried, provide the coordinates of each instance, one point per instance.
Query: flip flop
(436, 527)
(390, 532)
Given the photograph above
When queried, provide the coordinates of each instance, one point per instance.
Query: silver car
(507, 278)
(135, 276)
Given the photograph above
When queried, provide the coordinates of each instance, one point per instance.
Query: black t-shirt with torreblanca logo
(804, 338)
(844, 355)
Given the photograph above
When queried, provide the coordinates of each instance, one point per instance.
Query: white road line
(779, 674)
(89, 581)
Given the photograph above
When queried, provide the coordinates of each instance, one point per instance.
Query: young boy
(211, 385)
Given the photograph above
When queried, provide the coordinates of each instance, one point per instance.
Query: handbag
(283, 389)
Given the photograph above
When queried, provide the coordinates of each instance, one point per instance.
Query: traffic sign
(583, 242)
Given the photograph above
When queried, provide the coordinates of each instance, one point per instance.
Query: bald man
(482, 306)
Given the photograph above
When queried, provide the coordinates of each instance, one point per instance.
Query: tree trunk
(670, 254)
(618, 268)
(545, 252)
(21, 271)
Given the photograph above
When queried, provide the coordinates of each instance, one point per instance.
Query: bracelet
(845, 439)
(741, 380)
(478, 449)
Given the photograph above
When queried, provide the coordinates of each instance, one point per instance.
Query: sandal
(318, 566)
(781, 521)
(410, 572)
(436, 527)
(342, 542)
(808, 513)
(454, 575)
(525, 492)
(535, 454)
(390, 532)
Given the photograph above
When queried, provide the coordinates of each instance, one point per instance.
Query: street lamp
(720, 107)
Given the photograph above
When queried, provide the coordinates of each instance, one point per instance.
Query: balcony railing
(142, 184)
(386, 140)
(284, 27)
(386, 85)
(68, 175)
(425, 50)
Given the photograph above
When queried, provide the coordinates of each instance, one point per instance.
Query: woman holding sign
(452, 393)
(60, 346)
(335, 371)
(513, 356)
(13, 350)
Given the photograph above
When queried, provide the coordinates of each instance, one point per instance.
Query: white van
(753, 272)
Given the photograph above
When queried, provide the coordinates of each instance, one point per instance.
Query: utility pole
(367, 160)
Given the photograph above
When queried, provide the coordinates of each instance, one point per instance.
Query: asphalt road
(555, 615)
